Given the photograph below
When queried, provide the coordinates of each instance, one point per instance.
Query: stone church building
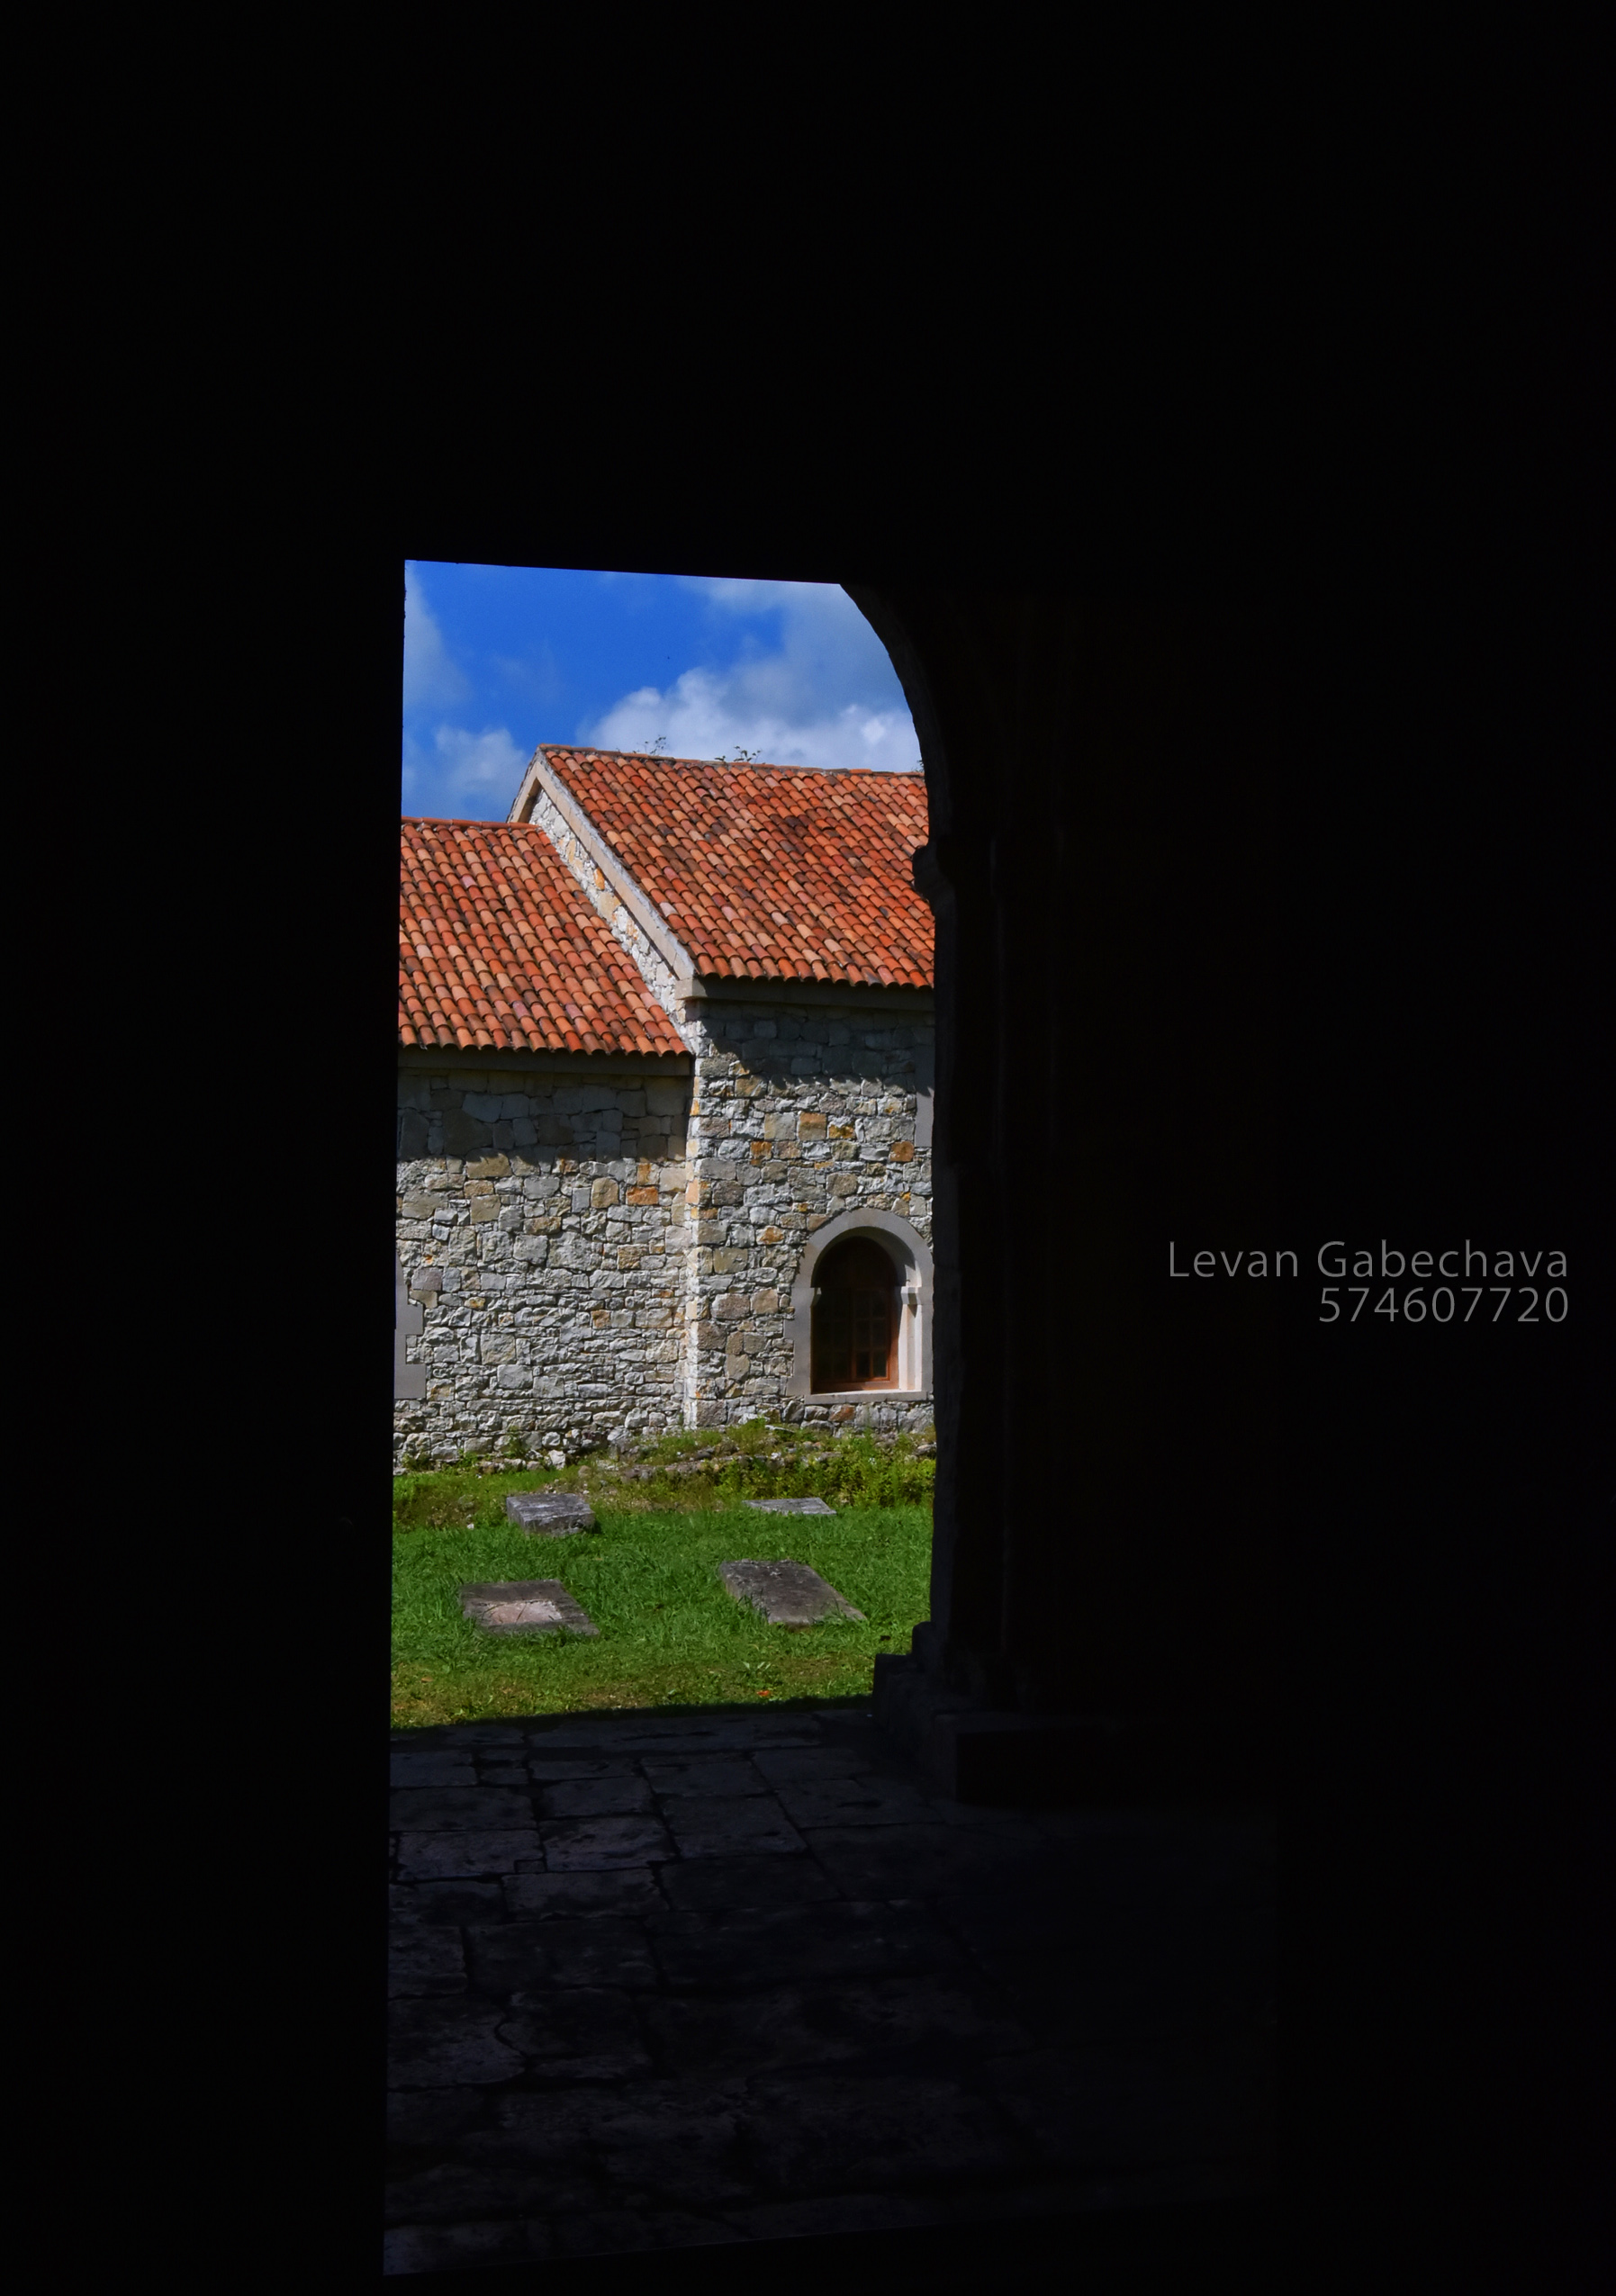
(665, 1107)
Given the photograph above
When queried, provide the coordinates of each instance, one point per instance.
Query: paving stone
(573, 1845)
(599, 1736)
(412, 2248)
(714, 1827)
(452, 1857)
(476, 1736)
(411, 1768)
(446, 2044)
(794, 1765)
(425, 1961)
(444, 1900)
(741, 1883)
(619, 2232)
(824, 2131)
(525, 1607)
(735, 1734)
(617, 1792)
(730, 1952)
(704, 1774)
(928, 2014)
(550, 1769)
(584, 1738)
(590, 1894)
(780, 2026)
(477, 1809)
(865, 1800)
(575, 2033)
(520, 1956)
(459, 2191)
(676, 2144)
(787, 1594)
(420, 2118)
(791, 1507)
(553, 1514)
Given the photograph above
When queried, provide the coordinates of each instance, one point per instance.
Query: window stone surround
(914, 1328)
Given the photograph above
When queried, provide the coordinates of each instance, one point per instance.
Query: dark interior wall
(1103, 869)
(1272, 927)
(1286, 926)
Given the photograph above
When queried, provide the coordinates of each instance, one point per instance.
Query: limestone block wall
(800, 1114)
(598, 1247)
(543, 1230)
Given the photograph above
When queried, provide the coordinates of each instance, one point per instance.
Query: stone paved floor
(666, 1980)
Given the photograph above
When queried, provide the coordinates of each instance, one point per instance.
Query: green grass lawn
(670, 1635)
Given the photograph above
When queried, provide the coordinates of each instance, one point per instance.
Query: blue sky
(498, 659)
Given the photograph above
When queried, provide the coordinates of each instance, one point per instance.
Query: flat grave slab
(525, 1607)
(787, 1594)
(791, 1507)
(550, 1514)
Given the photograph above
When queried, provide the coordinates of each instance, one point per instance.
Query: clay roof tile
(768, 871)
(493, 926)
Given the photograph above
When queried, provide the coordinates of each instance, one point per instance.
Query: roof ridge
(743, 765)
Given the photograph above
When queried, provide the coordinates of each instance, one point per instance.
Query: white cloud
(827, 696)
(702, 714)
(464, 764)
(431, 679)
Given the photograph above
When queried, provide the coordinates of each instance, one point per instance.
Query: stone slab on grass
(791, 1507)
(550, 1514)
(787, 1594)
(525, 1607)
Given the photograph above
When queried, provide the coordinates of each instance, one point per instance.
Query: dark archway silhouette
(1155, 992)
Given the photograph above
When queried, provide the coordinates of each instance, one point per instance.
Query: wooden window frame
(887, 1385)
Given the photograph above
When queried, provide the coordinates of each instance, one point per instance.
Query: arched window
(856, 1314)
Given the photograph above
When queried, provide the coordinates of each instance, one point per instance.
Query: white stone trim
(914, 1331)
(546, 801)
(409, 1380)
(924, 1080)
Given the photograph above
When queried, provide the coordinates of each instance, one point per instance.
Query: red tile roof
(772, 872)
(499, 951)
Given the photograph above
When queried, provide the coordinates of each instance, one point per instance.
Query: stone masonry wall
(543, 1228)
(799, 1114)
(595, 1255)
